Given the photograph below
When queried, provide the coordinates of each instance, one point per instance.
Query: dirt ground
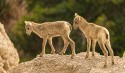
(54, 63)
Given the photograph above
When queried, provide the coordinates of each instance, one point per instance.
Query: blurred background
(107, 13)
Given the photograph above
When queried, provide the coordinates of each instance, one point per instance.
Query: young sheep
(94, 33)
(48, 30)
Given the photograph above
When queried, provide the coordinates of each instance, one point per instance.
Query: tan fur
(94, 33)
(48, 30)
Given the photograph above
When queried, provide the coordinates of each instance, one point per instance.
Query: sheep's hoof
(113, 63)
(93, 54)
(61, 53)
(41, 55)
(105, 66)
(86, 56)
(53, 52)
(72, 57)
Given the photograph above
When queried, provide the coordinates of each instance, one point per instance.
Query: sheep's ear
(25, 22)
(28, 23)
(32, 22)
(76, 14)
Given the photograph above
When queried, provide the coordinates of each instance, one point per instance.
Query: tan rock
(124, 54)
(54, 63)
(8, 54)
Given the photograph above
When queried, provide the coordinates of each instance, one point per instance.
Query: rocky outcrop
(54, 63)
(8, 54)
(124, 54)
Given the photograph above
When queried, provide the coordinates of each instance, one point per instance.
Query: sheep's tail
(70, 26)
(107, 34)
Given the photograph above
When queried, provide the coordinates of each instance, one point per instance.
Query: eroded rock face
(54, 63)
(124, 54)
(8, 54)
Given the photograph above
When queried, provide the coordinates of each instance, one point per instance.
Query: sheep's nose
(74, 27)
(27, 33)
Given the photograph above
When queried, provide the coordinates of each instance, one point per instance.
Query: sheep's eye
(27, 28)
(75, 22)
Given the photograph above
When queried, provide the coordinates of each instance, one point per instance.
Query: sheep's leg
(43, 46)
(102, 46)
(110, 51)
(93, 46)
(66, 43)
(72, 44)
(51, 45)
(88, 47)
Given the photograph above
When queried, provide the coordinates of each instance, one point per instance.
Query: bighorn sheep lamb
(48, 30)
(94, 33)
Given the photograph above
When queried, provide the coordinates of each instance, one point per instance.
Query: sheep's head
(28, 27)
(78, 20)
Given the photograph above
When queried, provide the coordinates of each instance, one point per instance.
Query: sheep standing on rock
(48, 30)
(94, 33)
